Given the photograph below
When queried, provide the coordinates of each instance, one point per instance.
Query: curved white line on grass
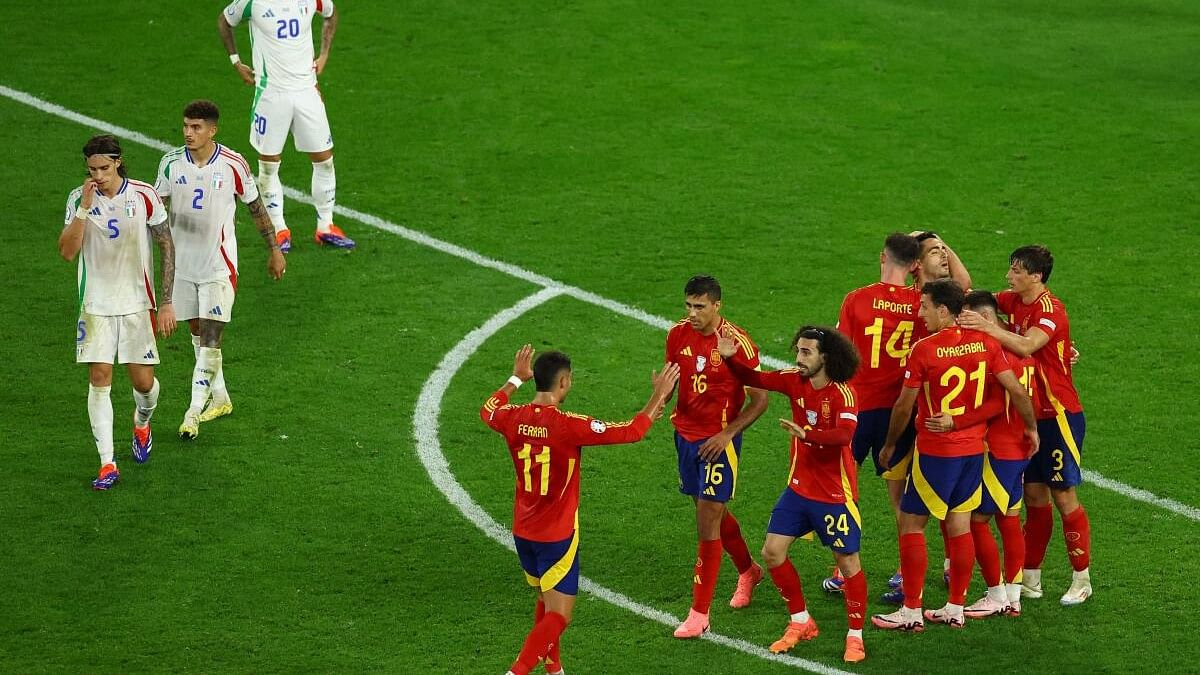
(429, 450)
(467, 254)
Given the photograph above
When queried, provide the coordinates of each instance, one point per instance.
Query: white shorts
(275, 113)
(129, 338)
(209, 300)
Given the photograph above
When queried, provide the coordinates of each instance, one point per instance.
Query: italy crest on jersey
(218, 180)
(129, 208)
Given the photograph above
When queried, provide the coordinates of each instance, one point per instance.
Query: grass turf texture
(619, 148)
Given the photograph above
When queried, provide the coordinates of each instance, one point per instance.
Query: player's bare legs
(208, 367)
(551, 619)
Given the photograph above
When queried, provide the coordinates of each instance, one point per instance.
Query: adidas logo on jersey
(839, 543)
(215, 311)
(202, 383)
(686, 351)
(269, 15)
(149, 354)
(95, 211)
(181, 181)
(710, 492)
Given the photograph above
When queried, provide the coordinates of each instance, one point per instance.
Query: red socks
(945, 539)
(554, 656)
(734, 544)
(914, 562)
(539, 642)
(962, 561)
(1039, 523)
(1078, 533)
(788, 583)
(855, 590)
(986, 552)
(704, 582)
(1014, 545)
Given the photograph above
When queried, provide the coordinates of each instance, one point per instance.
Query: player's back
(953, 370)
(880, 319)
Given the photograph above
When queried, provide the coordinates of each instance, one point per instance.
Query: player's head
(552, 373)
(984, 303)
(1029, 266)
(941, 301)
(820, 348)
(702, 298)
(105, 161)
(200, 119)
(900, 250)
(934, 260)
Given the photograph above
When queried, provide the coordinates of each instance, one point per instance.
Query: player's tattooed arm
(328, 28)
(166, 245)
(276, 265)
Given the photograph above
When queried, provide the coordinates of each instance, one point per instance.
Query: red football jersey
(1047, 314)
(953, 370)
(822, 465)
(880, 320)
(545, 446)
(1006, 431)
(709, 395)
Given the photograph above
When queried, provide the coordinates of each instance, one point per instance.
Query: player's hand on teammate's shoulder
(942, 423)
(166, 319)
(792, 428)
(725, 343)
(523, 363)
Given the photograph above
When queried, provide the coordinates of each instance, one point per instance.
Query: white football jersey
(203, 210)
(116, 267)
(281, 38)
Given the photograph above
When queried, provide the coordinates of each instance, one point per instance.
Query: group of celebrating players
(189, 212)
(997, 425)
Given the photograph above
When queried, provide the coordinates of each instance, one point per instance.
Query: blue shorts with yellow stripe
(551, 565)
(714, 481)
(1003, 484)
(938, 486)
(869, 436)
(838, 525)
(1060, 451)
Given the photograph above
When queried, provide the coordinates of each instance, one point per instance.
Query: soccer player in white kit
(286, 99)
(109, 223)
(201, 183)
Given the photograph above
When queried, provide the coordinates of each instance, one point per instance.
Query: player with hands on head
(545, 444)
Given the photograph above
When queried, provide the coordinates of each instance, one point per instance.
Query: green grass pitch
(618, 147)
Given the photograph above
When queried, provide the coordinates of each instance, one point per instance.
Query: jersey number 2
(543, 460)
(199, 194)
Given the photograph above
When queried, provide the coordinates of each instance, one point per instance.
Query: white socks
(801, 617)
(1013, 591)
(998, 594)
(854, 632)
(271, 191)
(324, 191)
(208, 365)
(1031, 578)
(219, 393)
(145, 404)
(100, 414)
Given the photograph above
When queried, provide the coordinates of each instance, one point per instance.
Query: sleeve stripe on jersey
(1047, 304)
(747, 346)
(235, 159)
(847, 393)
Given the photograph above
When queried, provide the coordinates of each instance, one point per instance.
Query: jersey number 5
(543, 460)
(897, 344)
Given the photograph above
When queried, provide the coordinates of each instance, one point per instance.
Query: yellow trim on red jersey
(847, 393)
(732, 458)
(994, 488)
(929, 497)
(1060, 417)
(567, 483)
(848, 491)
(559, 570)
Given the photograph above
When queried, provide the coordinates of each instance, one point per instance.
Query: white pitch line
(1136, 494)
(426, 434)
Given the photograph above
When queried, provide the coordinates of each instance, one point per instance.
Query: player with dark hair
(1043, 331)
(545, 444)
(1003, 466)
(953, 368)
(822, 491)
(109, 222)
(712, 411)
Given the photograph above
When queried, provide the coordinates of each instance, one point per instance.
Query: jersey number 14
(897, 343)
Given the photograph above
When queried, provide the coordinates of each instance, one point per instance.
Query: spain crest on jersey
(715, 357)
(826, 411)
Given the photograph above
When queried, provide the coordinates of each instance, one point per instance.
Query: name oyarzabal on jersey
(203, 200)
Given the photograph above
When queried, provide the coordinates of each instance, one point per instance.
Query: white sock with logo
(219, 393)
(324, 193)
(145, 403)
(100, 414)
(271, 191)
(208, 364)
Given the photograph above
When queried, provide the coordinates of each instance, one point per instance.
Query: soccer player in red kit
(545, 446)
(1003, 468)
(1043, 331)
(822, 491)
(709, 418)
(948, 372)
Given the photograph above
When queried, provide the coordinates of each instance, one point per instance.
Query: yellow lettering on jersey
(530, 431)
(888, 306)
(961, 350)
